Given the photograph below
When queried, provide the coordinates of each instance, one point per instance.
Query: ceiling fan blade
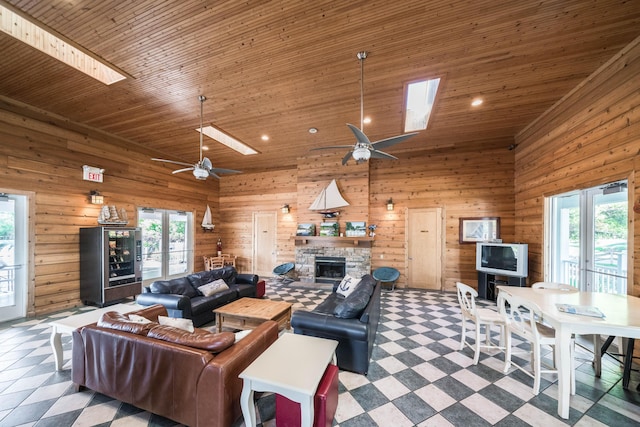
(173, 161)
(331, 147)
(213, 174)
(183, 170)
(388, 142)
(220, 170)
(346, 158)
(360, 136)
(375, 154)
(206, 163)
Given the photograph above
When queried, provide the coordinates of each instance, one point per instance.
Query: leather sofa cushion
(355, 303)
(228, 274)
(121, 322)
(199, 338)
(329, 304)
(178, 286)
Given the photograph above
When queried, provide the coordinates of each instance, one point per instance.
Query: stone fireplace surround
(358, 260)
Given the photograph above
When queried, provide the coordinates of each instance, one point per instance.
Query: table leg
(563, 363)
(306, 411)
(56, 347)
(219, 322)
(248, 405)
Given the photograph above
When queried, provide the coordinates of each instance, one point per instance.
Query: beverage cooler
(110, 264)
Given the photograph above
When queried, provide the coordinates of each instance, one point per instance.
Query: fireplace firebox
(330, 269)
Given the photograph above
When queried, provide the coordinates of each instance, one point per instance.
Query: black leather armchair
(182, 298)
(353, 327)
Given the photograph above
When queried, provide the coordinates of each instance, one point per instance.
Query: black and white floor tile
(418, 377)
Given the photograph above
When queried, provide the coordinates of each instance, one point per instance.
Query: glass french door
(587, 238)
(167, 243)
(13, 255)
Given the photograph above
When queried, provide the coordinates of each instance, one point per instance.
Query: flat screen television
(507, 259)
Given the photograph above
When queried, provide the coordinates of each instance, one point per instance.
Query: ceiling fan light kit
(364, 149)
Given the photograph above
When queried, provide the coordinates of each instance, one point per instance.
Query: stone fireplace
(330, 269)
(357, 260)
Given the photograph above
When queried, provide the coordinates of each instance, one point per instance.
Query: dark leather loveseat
(352, 321)
(182, 298)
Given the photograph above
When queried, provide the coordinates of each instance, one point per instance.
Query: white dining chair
(521, 317)
(480, 317)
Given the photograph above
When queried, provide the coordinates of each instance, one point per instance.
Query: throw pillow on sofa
(214, 287)
(121, 322)
(204, 340)
(355, 303)
(347, 286)
(180, 323)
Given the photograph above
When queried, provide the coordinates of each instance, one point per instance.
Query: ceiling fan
(364, 149)
(203, 168)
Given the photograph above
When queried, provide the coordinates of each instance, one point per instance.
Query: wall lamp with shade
(285, 209)
(96, 198)
(390, 204)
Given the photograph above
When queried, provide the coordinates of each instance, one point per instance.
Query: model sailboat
(206, 221)
(329, 200)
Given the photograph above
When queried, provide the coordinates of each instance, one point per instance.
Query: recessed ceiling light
(313, 130)
(366, 120)
(26, 29)
(476, 102)
(265, 137)
(205, 147)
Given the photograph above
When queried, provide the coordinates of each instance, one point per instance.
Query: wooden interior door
(264, 247)
(424, 248)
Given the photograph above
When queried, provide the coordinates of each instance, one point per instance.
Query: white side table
(292, 367)
(69, 324)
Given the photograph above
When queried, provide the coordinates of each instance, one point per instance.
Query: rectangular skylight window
(420, 98)
(33, 33)
(227, 140)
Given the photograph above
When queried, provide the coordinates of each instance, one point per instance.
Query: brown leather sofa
(189, 385)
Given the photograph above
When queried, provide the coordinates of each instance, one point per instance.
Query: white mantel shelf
(364, 242)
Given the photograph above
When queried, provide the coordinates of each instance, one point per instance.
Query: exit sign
(90, 173)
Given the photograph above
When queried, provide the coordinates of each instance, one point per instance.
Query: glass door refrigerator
(110, 264)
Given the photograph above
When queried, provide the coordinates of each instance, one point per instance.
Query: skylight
(420, 98)
(227, 140)
(33, 33)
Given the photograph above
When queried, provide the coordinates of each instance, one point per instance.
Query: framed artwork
(479, 229)
(356, 229)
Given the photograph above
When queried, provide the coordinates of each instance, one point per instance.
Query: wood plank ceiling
(281, 67)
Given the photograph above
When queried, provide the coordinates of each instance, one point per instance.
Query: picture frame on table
(481, 229)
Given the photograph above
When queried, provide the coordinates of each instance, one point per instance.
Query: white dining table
(622, 318)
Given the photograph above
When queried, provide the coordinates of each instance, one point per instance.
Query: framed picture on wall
(479, 229)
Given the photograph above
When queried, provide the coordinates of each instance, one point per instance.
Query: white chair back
(521, 316)
(467, 299)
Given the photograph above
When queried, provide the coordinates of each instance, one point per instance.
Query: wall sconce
(285, 209)
(390, 204)
(96, 198)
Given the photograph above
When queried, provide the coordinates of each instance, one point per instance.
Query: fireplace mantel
(336, 242)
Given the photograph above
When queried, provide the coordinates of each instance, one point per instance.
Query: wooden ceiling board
(280, 67)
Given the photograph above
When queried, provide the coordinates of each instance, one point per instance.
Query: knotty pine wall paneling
(464, 183)
(45, 157)
(590, 137)
(244, 194)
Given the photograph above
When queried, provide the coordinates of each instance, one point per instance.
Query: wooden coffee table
(247, 313)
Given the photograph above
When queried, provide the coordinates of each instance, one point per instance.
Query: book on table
(583, 310)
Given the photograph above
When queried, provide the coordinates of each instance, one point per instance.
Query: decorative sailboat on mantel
(329, 200)
(206, 220)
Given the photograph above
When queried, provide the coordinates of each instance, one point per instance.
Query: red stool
(260, 289)
(325, 403)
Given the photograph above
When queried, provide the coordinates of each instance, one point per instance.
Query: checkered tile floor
(417, 378)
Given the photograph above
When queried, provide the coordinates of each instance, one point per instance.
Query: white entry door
(264, 243)
(13, 256)
(424, 248)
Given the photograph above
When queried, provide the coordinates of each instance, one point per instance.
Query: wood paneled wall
(590, 137)
(46, 159)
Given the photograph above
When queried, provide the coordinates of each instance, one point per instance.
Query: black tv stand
(487, 284)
